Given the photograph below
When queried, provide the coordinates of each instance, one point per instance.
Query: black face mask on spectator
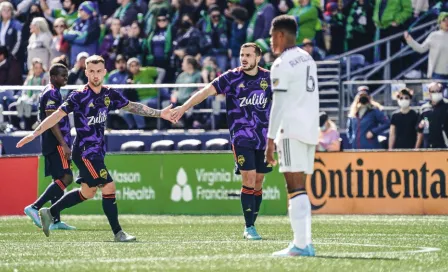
(364, 100)
(185, 25)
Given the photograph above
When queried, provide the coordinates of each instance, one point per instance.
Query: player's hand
(177, 113)
(369, 135)
(25, 140)
(269, 153)
(166, 113)
(67, 152)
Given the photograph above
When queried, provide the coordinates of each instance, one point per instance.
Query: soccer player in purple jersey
(55, 148)
(248, 99)
(90, 106)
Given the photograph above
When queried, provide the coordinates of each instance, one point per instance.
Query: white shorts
(295, 156)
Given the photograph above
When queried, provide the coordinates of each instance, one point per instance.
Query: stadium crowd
(186, 41)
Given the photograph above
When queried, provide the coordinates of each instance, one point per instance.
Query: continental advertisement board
(379, 183)
(342, 183)
(192, 184)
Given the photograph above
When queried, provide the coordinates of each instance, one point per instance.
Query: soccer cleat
(122, 236)
(61, 226)
(250, 233)
(33, 214)
(46, 218)
(293, 251)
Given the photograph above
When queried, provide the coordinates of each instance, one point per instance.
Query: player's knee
(249, 178)
(67, 180)
(108, 188)
(88, 192)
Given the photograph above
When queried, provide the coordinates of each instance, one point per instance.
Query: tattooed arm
(143, 110)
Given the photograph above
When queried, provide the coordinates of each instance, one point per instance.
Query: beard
(96, 84)
(250, 66)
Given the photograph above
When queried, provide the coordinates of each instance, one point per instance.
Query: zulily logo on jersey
(255, 100)
(100, 118)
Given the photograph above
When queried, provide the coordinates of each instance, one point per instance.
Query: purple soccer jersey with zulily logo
(248, 102)
(90, 113)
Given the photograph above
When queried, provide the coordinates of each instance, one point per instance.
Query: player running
(294, 125)
(248, 99)
(90, 107)
(55, 148)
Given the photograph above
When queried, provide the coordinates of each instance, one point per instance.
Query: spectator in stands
(183, 7)
(83, 35)
(190, 74)
(260, 24)
(437, 44)
(156, 7)
(34, 12)
(329, 135)
(59, 46)
(133, 43)
(210, 70)
(127, 12)
(306, 15)
(187, 41)
(336, 23)
(402, 132)
(40, 42)
(390, 17)
(69, 11)
(284, 6)
(145, 75)
(112, 44)
(238, 34)
(419, 6)
(214, 36)
(309, 47)
(360, 29)
(433, 120)
(10, 29)
(28, 99)
(120, 74)
(77, 75)
(10, 70)
(231, 5)
(365, 121)
(160, 45)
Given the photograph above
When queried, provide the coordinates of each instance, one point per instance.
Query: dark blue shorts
(92, 172)
(247, 159)
(56, 165)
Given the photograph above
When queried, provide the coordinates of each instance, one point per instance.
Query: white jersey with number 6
(295, 108)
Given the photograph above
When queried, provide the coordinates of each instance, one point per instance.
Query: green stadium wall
(177, 183)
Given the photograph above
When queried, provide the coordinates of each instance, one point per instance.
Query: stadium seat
(133, 146)
(163, 145)
(217, 144)
(190, 144)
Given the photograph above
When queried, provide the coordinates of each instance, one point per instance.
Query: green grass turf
(205, 243)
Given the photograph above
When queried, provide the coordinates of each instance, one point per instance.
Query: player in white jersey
(293, 127)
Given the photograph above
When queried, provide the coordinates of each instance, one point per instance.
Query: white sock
(300, 217)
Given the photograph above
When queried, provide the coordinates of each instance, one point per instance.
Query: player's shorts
(295, 156)
(92, 172)
(247, 159)
(56, 165)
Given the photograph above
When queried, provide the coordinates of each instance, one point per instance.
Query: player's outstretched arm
(143, 110)
(46, 124)
(197, 98)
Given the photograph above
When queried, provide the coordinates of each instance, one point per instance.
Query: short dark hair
(257, 49)
(405, 91)
(95, 59)
(4, 51)
(193, 62)
(285, 23)
(56, 68)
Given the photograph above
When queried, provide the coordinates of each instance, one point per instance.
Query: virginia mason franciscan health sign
(342, 183)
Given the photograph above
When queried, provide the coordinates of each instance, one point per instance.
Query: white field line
(227, 256)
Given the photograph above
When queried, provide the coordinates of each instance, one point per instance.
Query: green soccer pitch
(215, 243)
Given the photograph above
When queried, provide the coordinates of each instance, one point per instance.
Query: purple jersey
(90, 113)
(49, 100)
(248, 102)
